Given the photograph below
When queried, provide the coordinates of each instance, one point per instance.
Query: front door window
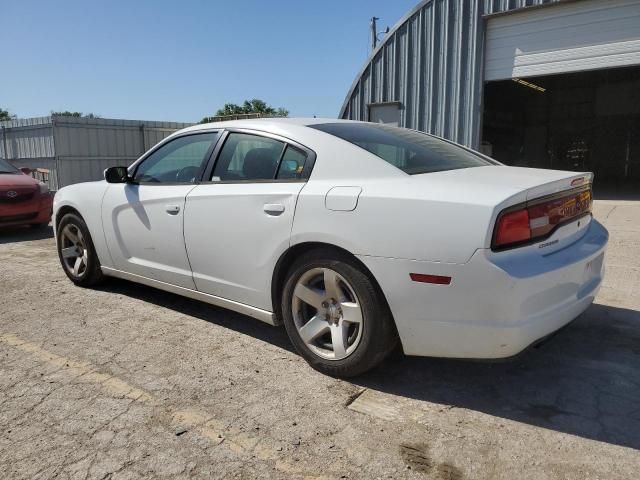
(178, 161)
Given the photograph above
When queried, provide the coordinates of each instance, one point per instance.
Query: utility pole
(5, 153)
(374, 33)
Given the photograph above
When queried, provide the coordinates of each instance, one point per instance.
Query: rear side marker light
(435, 279)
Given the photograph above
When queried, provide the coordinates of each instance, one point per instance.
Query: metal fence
(77, 149)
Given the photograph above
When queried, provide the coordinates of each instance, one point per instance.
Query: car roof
(266, 123)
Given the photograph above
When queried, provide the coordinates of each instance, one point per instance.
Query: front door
(144, 219)
(238, 224)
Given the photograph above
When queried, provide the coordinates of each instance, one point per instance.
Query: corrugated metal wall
(431, 62)
(86, 146)
(28, 142)
(499, 6)
(77, 149)
(27, 137)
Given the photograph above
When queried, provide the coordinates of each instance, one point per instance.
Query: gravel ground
(129, 382)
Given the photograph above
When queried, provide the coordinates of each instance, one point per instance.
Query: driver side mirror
(26, 170)
(116, 175)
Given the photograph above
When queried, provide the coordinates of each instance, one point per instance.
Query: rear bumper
(35, 212)
(496, 304)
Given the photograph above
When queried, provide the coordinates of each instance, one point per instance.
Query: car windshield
(6, 167)
(410, 151)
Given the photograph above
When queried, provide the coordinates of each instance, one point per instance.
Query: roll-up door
(566, 37)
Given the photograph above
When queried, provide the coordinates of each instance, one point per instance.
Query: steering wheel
(187, 174)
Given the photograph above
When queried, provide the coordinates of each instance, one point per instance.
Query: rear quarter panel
(432, 220)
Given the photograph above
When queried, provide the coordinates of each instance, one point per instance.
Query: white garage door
(571, 37)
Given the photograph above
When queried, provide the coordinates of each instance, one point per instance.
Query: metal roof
(431, 62)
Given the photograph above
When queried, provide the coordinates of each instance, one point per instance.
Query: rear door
(143, 219)
(238, 221)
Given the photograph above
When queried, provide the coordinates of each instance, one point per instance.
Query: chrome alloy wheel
(73, 250)
(327, 313)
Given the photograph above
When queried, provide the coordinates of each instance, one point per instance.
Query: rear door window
(292, 164)
(246, 157)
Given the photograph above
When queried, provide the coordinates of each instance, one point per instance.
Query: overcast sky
(181, 60)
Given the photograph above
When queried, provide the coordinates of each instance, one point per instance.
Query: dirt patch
(416, 457)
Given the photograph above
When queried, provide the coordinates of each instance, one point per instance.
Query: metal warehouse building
(78, 149)
(540, 83)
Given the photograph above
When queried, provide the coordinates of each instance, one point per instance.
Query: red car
(23, 199)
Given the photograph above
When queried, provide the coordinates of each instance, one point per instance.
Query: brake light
(538, 218)
(513, 227)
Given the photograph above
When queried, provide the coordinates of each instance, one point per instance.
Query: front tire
(335, 314)
(76, 251)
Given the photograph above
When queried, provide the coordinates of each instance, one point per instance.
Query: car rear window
(410, 151)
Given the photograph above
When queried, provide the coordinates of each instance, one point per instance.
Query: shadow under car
(583, 381)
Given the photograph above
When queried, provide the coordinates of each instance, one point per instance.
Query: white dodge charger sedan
(353, 235)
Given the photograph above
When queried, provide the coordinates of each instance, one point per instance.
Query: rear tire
(335, 315)
(76, 251)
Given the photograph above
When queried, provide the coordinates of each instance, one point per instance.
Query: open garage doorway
(584, 121)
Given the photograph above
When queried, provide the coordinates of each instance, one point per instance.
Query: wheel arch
(289, 256)
(92, 224)
(62, 211)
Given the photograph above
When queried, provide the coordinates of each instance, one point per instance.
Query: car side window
(178, 161)
(248, 157)
(292, 164)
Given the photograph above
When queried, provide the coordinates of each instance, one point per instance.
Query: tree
(258, 106)
(230, 109)
(255, 105)
(5, 115)
(67, 113)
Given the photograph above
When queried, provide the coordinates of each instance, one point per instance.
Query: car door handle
(173, 209)
(274, 209)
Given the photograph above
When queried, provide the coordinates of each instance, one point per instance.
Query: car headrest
(259, 163)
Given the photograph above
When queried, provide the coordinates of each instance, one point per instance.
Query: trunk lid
(556, 202)
(534, 182)
(499, 185)
(502, 188)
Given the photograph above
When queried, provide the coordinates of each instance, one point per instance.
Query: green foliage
(254, 106)
(230, 109)
(67, 113)
(5, 115)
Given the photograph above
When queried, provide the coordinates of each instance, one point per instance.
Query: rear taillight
(538, 219)
(513, 227)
